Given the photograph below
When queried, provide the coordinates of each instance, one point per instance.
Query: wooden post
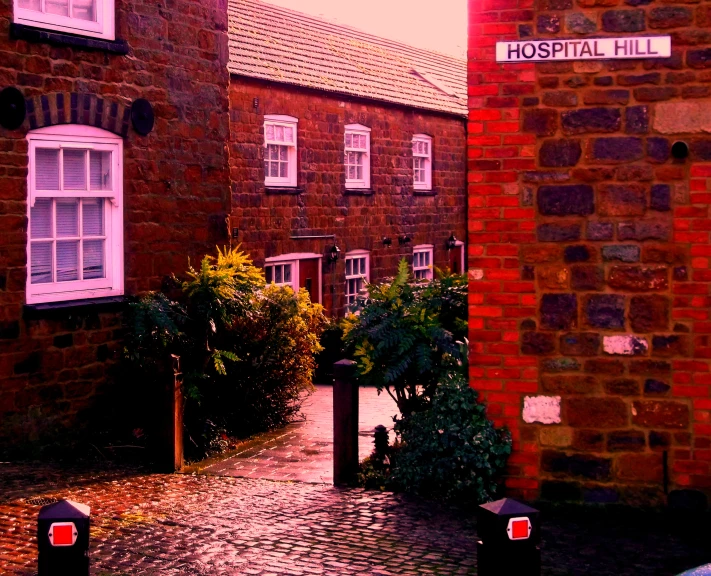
(345, 422)
(169, 440)
(176, 410)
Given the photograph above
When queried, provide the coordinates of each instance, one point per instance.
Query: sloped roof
(274, 43)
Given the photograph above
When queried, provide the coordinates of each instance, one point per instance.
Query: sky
(440, 25)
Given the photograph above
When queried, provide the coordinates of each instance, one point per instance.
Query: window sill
(358, 192)
(70, 307)
(32, 34)
(283, 190)
(424, 192)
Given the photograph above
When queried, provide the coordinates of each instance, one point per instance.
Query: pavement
(303, 451)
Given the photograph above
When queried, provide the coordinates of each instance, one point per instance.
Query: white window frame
(287, 122)
(293, 259)
(72, 136)
(104, 27)
(428, 270)
(427, 158)
(354, 255)
(359, 130)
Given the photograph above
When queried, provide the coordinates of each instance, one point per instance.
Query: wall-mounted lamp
(451, 242)
(334, 253)
(387, 241)
(255, 103)
(405, 239)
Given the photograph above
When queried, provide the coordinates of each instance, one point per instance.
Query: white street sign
(589, 49)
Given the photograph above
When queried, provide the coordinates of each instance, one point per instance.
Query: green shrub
(246, 350)
(450, 450)
(399, 341)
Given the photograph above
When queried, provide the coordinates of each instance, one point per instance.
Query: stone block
(537, 343)
(638, 278)
(625, 345)
(645, 468)
(9, 330)
(560, 98)
(665, 17)
(576, 465)
(548, 24)
(654, 387)
(598, 413)
(655, 94)
(587, 278)
(658, 149)
(622, 200)
(626, 441)
(591, 120)
(649, 313)
(682, 117)
(545, 5)
(637, 120)
(558, 232)
(587, 67)
(560, 153)
(603, 97)
(660, 414)
(699, 58)
(605, 311)
(621, 253)
(604, 81)
(540, 121)
(604, 366)
(623, 387)
(566, 200)
(560, 365)
(617, 149)
(558, 436)
(659, 440)
(660, 198)
(623, 21)
(542, 409)
(601, 495)
(559, 311)
(635, 173)
(579, 253)
(539, 254)
(642, 230)
(555, 277)
(651, 367)
(600, 230)
(701, 150)
(580, 344)
(673, 345)
(580, 22)
(569, 384)
(588, 440)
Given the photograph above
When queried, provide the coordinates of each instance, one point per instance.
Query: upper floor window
(75, 240)
(357, 156)
(422, 161)
(85, 17)
(357, 274)
(422, 261)
(280, 150)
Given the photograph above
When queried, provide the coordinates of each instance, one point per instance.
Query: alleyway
(303, 451)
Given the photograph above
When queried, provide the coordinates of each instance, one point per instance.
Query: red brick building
(340, 139)
(91, 209)
(589, 192)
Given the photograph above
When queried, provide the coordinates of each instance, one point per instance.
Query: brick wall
(589, 267)
(266, 221)
(176, 190)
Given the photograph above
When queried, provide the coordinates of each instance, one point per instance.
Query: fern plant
(398, 340)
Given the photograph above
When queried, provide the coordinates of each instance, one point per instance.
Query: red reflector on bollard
(519, 528)
(63, 534)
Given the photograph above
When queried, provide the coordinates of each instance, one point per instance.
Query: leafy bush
(247, 351)
(399, 340)
(451, 450)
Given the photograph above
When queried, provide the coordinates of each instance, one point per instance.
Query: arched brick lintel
(78, 108)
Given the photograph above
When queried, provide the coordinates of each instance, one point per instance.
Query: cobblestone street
(183, 524)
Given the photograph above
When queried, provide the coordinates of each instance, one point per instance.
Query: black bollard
(509, 535)
(63, 539)
(345, 422)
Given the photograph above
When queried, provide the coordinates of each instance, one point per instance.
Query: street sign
(588, 49)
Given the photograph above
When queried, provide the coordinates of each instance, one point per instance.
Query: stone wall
(590, 249)
(267, 220)
(54, 364)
